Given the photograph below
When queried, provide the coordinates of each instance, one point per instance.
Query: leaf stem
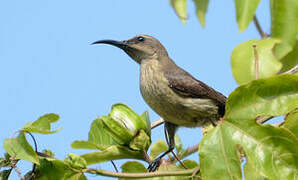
(14, 166)
(114, 165)
(189, 151)
(263, 119)
(259, 28)
(35, 147)
(292, 71)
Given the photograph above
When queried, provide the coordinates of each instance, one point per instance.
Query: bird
(174, 94)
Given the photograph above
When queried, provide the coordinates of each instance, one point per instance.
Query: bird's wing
(183, 84)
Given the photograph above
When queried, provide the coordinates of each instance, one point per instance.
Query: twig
(179, 160)
(196, 171)
(146, 157)
(187, 172)
(14, 166)
(157, 123)
(12, 158)
(14, 162)
(44, 155)
(35, 147)
(189, 151)
(256, 61)
(263, 119)
(292, 71)
(34, 141)
(115, 167)
(259, 28)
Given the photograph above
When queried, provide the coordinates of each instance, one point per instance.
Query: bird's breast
(170, 106)
(154, 86)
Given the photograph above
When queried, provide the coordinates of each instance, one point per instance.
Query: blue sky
(47, 63)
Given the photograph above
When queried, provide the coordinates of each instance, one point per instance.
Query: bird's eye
(140, 38)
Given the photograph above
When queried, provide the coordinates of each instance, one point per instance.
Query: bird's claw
(153, 166)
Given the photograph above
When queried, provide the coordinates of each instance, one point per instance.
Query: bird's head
(139, 48)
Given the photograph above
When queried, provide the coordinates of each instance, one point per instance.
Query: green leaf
(243, 60)
(130, 119)
(272, 96)
(133, 167)
(75, 176)
(56, 169)
(178, 144)
(190, 164)
(145, 118)
(290, 60)
(245, 10)
(51, 169)
(271, 150)
(251, 172)
(140, 142)
(158, 147)
(291, 122)
(5, 162)
(118, 131)
(85, 145)
(48, 152)
(99, 137)
(201, 9)
(112, 153)
(19, 148)
(42, 125)
(284, 25)
(180, 7)
(225, 161)
(75, 161)
(125, 115)
(4, 175)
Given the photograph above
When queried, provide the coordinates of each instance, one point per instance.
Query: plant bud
(124, 124)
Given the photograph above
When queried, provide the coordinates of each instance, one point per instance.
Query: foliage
(269, 151)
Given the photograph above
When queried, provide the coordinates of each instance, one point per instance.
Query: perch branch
(157, 123)
(259, 28)
(187, 172)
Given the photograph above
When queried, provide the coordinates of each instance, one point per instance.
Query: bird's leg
(173, 153)
(213, 123)
(171, 129)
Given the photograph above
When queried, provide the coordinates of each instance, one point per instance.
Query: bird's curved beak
(119, 44)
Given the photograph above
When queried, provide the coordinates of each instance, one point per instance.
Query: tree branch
(189, 151)
(259, 28)
(157, 123)
(292, 71)
(263, 119)
(14, 166)
(187, 172)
